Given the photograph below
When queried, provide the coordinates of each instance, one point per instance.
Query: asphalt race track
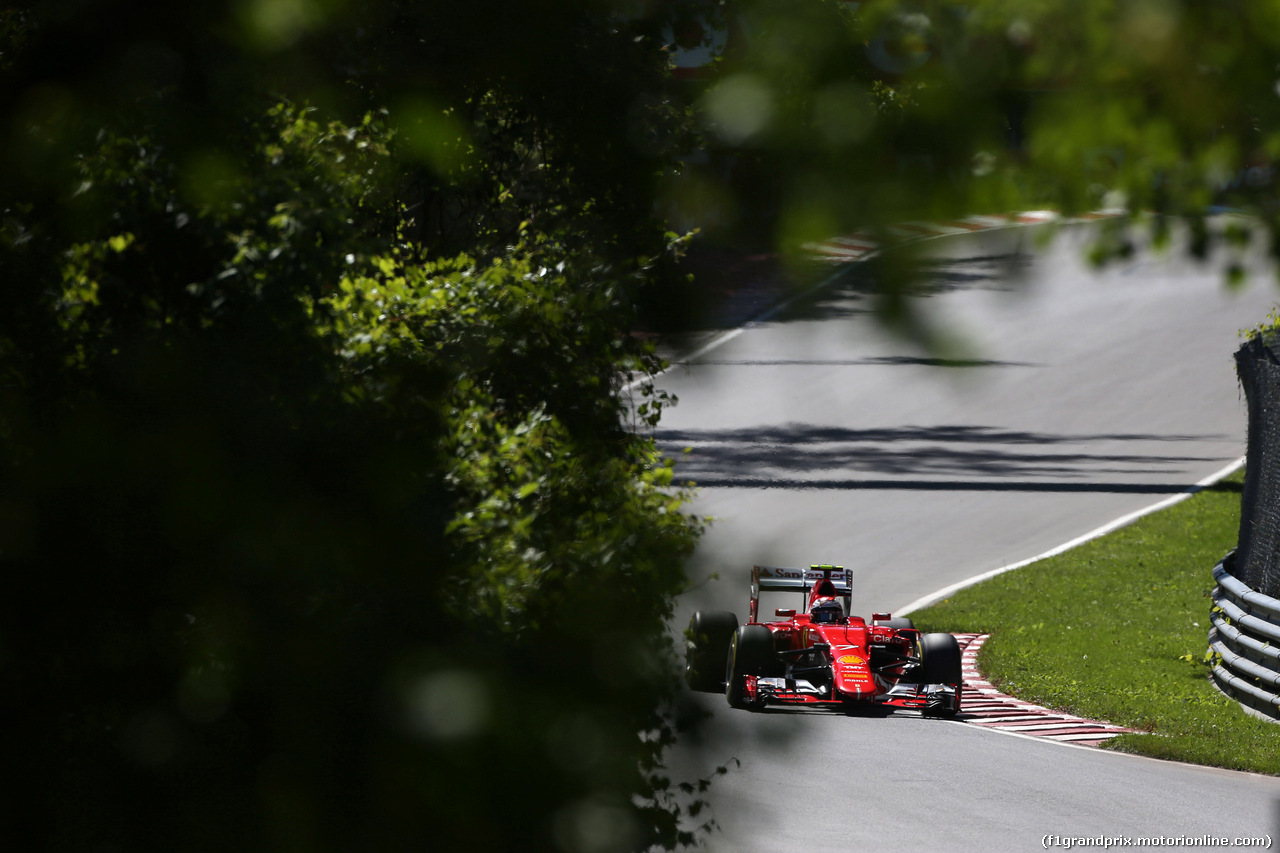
(816, 436)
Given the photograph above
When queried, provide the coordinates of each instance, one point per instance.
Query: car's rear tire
(750, 653)
(707, 649)
(895, 623)
(940, 664)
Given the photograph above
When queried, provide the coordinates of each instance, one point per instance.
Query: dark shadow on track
(862, 285)
(947, 432)
(943, 486)
(883, 361)
(733, 289)
(971, 458)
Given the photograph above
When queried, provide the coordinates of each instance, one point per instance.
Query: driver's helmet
(828, 611)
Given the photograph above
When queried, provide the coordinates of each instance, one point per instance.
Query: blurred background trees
(328, 517)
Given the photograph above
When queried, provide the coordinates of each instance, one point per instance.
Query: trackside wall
(1245, 632)
(1257, 560)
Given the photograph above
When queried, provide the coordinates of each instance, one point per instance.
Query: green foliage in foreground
(329, 518)
(1116, 629)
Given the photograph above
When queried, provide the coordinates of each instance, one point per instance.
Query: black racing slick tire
(750, 653)
(895, 623)
(707, 649)
(940, 663)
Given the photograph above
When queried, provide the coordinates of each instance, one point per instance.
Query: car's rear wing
(775, 579)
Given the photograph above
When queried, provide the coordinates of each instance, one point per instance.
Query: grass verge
(1117, 630)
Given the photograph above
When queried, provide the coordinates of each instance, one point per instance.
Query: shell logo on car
(853, 666)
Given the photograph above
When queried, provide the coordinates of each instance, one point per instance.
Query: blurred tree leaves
(867, 114)
(316, 530)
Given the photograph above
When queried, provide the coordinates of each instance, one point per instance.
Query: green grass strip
(1117, 630)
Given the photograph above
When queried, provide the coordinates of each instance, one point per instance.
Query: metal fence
(1245, 639)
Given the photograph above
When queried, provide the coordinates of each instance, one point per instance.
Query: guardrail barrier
(1245, 640)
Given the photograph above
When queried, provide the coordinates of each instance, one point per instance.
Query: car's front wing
(930, 698)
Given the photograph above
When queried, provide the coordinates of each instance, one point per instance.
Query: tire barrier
(1245, 642)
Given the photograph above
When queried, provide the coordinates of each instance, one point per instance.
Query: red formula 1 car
(821, 656)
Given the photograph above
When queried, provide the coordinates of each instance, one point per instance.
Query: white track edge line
(1109, 527)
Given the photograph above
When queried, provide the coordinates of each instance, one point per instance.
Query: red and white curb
(983, 705)
(855, 247)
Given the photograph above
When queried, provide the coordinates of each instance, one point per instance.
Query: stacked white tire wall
(1245, 640)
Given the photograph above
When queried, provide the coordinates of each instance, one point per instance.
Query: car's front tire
(707, 648)
(940, 664)
(750, 653)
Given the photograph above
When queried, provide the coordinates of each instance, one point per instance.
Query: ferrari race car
(821, 656)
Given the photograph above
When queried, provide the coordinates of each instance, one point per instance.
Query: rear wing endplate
(775, 579)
